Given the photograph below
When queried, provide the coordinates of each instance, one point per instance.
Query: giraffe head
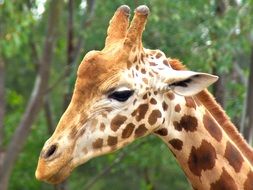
(118, 97)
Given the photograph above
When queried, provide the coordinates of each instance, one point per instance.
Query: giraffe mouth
(53, 176)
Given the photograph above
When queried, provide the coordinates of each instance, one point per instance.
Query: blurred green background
(208, 36)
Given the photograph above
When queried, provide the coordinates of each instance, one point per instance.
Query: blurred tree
(192, 31)
(2, 109)
(218, 87)
(248, 122)
(36, 99)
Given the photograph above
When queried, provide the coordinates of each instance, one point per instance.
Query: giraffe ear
(188, 83)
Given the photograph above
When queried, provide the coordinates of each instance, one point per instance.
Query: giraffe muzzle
(55, 163)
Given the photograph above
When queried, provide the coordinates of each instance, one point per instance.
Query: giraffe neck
(209, 158)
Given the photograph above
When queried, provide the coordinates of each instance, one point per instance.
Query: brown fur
(207, 99)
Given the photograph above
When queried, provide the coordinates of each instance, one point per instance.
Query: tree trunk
(219, 87)
(70, 54)
(70, 57)
(36, 99)
(249, 109)
(49, 116)
(2, 102)
(2, 111)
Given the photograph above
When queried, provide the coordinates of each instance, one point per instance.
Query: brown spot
(202, 158)
(134, 112)
(155, 114)
(98, 143)
(135, 100)
(233, 156)
(81, 132)
(128, 131)
(162, 132)
(176, 144)
(73, 133)
(145, 96)
(104, 114)
(152, 64)
(85, 150)
(133, 73)
(248, 184)
(165, 62)
(117, 121)
(135, 59)
(137, 67)
(187, 123)
(165, 106)
(212, 127)
(171, 96)
(59, 138)
(129, 64)
(225, 182)
(153, 101)
(155, 92)
(150, 74)
(145, 80)
(158, 55)
(142, 57)
(177, 108)
(111, 141)
(140, 112)
(143, 71)
(140, 131)
(102, 127)
(190, 102)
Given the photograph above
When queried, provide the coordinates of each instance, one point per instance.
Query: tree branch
(85, 23)
(36, 98)
(240, 74)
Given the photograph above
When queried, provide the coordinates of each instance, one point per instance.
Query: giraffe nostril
(51, 151)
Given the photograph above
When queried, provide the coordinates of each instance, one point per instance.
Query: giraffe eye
(121, 96)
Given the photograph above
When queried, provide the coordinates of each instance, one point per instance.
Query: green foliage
(189, 30)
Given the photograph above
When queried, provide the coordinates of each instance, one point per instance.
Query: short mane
(207, 99)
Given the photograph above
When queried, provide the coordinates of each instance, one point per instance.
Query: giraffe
(125, 92)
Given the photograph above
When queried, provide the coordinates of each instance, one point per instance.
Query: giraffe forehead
(97, 74)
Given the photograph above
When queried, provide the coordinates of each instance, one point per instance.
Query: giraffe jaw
(53, 174)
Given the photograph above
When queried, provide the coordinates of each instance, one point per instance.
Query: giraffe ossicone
(125, 92)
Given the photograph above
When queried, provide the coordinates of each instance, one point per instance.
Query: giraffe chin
(53, 176)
